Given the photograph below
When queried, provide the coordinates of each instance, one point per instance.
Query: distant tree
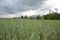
(31, 17)
(53, 16)
(56, 10)
(16, 17)
(50, 11)
(38, 16)
(21, 16)
(25, 17)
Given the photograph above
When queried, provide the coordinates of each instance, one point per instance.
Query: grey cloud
(14, 6)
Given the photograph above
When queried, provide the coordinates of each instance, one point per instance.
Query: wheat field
(29, 29)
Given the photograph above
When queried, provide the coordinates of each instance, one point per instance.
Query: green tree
(25, 17)
(53, 16)
(38, 16)
(21, 16)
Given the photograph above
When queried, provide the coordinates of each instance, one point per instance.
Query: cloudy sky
(15, 8)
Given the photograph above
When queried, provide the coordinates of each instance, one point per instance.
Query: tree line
(50, 16)
(53, 16)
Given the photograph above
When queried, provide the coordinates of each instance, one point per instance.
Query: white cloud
(50, 4)
(54, 4)
(29, 13)
(7, 16)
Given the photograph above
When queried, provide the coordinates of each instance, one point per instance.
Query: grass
(28, 29)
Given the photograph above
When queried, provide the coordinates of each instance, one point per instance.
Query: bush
(53, 16)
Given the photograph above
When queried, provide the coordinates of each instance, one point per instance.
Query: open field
(29, 29)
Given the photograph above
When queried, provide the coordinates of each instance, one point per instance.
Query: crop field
(29, 29)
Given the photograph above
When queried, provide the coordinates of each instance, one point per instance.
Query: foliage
(25, 17)
(21, 16)
(52, 16)
(38, 17)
